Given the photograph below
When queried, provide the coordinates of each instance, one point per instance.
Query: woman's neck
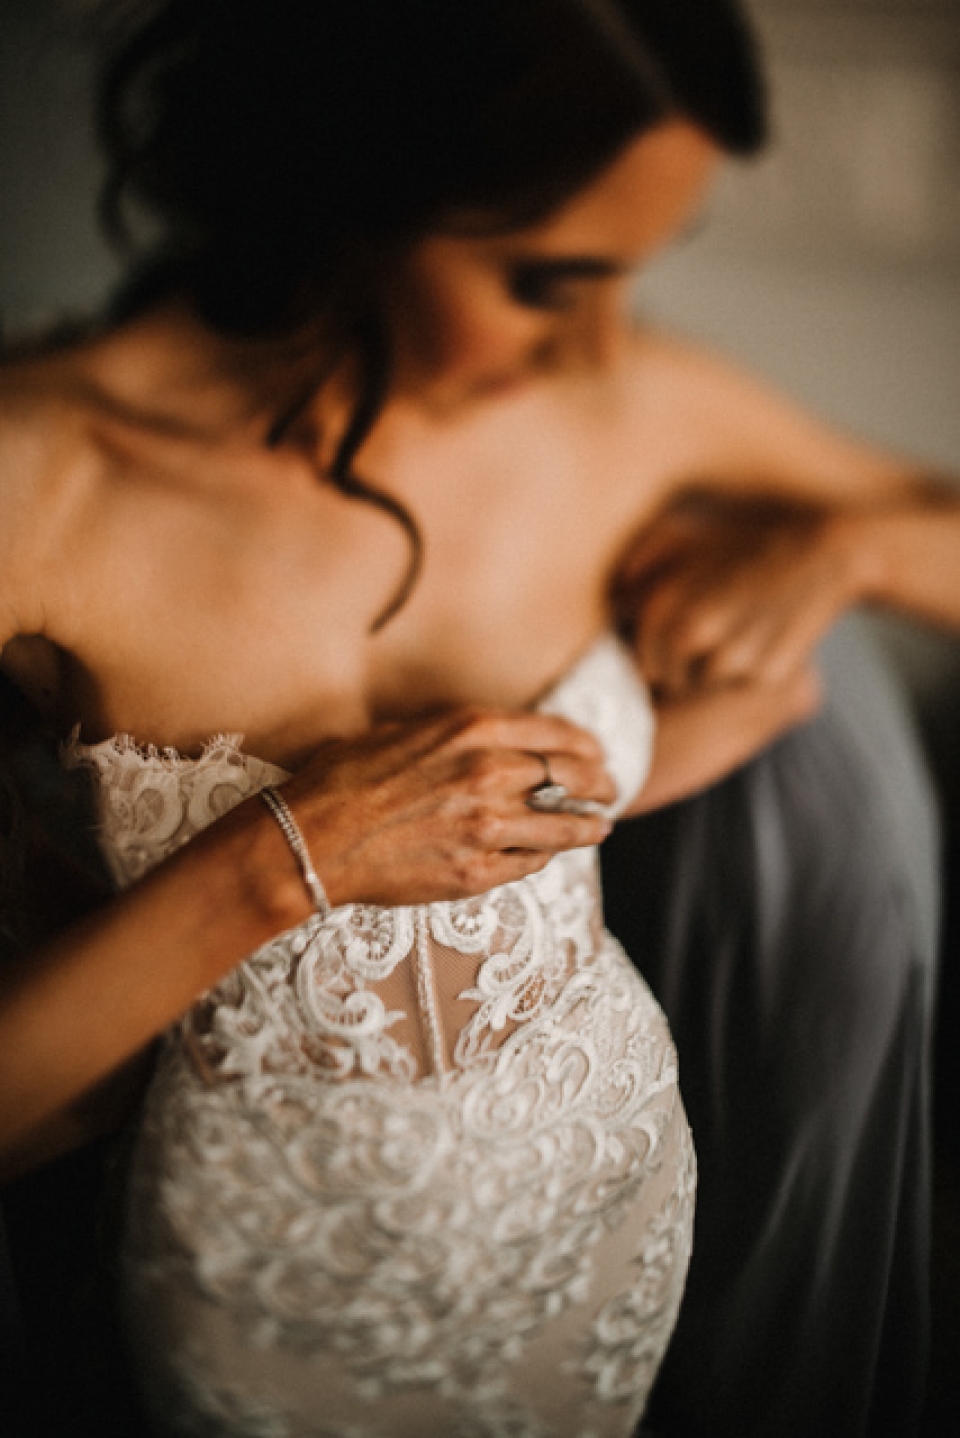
(166, 370)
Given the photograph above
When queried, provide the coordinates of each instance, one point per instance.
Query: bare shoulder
(731, 429)
(120, 411)
(46, 458)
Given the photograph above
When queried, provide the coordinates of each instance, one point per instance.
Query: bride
(363, 449)
(363, 444)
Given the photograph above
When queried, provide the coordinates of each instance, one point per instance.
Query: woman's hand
(720, 592)
(437, 809)
(724, 601)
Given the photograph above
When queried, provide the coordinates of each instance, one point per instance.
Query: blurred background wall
(831, 265)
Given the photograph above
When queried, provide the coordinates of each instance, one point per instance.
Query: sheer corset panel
(406, 1171)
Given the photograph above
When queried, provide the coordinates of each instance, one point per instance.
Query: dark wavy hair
(282, 143)
(269, 159)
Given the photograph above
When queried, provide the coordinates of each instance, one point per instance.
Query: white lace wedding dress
(420, 1171)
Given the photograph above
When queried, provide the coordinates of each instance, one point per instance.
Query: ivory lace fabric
(415, 1171)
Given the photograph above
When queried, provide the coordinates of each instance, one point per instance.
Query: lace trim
(74, 751)
(151, 801)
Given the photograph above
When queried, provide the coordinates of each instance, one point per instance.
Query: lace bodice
(375, 988)
(396, 1152)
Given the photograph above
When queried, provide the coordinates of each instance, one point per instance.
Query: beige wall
(833, 262)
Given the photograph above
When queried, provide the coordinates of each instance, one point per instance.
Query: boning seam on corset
(427, 994)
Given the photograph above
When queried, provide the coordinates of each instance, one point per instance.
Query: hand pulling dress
(406, 1171)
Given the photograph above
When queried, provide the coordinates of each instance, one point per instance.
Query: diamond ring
(548, 798)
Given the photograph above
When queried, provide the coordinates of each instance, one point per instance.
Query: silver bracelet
(290, 829)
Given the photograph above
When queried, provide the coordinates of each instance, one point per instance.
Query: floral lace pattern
(407, 1171)
(152, 801)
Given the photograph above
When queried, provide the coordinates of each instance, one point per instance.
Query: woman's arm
(788, 525)
(739, 435)
(703, 736)
(76, 1009)
(719, 590)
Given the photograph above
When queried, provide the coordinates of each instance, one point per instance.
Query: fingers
(494, 788)
(500, 840)
(515, 753)
(518, 773)
(532, 732)
(772, 645)
(692, 640)
(747, 605)
(509, 865)
(549, 833)
(480, 873)
(680, 631)
(486, 753)
(438, 809)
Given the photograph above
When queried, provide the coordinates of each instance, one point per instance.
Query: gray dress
(786, 920)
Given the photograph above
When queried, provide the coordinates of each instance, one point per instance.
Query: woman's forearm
(702, 738)
(74, 1010)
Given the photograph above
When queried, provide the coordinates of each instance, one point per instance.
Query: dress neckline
(165, 756)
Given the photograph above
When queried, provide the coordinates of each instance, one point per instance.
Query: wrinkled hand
(437, 809)
(719, 592)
